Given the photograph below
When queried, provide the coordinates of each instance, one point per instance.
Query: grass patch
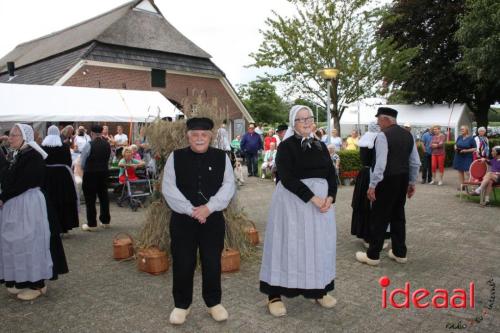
(493, 202)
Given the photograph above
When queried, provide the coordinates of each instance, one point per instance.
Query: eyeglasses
(305, 120)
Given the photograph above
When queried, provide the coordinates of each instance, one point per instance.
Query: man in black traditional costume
(393, 179)
(198, 184)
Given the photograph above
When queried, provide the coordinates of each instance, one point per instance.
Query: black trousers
(427, 168)
(389, 206)
(187, 236)
(95, 184)
(252, 163)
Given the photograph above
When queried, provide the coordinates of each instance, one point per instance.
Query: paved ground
(450, 244)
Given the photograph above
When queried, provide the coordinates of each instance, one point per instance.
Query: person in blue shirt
(427, 160)
(250, 145)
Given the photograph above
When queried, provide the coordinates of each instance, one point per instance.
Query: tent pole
(130, 133)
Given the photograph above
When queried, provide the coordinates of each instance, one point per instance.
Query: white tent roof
(35, 103)
(416, 115)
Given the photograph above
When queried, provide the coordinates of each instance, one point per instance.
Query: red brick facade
(183, 89)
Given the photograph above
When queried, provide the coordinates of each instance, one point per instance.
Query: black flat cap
(282, 127)
(200, 124)
(96, 129)
(387, 112)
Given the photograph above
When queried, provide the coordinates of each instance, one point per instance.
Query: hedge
(449, 148)
(494, 142)
(350, 160)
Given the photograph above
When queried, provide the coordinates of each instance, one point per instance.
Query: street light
(330, 75)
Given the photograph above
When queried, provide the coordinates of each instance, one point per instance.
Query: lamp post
(330, 75)
(359, 125)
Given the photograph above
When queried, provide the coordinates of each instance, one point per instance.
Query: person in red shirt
(438, 154)
(268, 139)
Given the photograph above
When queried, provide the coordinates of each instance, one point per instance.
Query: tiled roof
(123, 26)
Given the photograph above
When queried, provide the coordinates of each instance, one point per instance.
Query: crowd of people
(467, 149)
(31, 250)
(252, 146)
(39, 199)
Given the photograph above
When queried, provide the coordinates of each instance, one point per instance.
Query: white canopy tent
(420, 117)
(36, 103)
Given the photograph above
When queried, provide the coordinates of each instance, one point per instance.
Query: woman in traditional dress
(25, 238)
(300, 241)
(360, 204)
(59, 181)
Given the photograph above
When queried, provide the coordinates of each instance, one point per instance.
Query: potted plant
(350, 164)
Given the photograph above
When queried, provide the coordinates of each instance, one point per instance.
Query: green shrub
(349, 160)
(494, 142)
(450, 153)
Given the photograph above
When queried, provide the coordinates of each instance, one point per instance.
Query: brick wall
(183, 89)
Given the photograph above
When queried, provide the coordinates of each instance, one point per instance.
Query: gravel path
(450, 243)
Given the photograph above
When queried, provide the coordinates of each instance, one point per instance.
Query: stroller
(136, 191)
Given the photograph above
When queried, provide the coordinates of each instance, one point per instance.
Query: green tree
(262, 101)
(479, 36)
(323, 33)
(424, 30)
(424, 60)
(313, 106)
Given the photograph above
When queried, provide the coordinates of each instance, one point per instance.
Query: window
(158, 78)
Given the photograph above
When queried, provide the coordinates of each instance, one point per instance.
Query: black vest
(400, 144)
(98, 159)
(199, 176)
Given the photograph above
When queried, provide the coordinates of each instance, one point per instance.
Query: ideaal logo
(423, 298)
(440, 298)
(483, 314)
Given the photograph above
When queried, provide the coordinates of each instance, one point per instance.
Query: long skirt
(25, 238)
(300, 245)
(62, 192)
(60, 265)
(360, 226)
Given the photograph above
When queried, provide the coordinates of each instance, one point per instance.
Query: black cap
(200, 124)
(282, 127)
(387, 112)
(96, 129)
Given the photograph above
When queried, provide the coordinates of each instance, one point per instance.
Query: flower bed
(349, 174)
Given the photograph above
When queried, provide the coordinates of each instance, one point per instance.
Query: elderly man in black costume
(392, 180)
(198, 184)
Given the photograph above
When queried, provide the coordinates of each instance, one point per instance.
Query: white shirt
(178, 202)
(222, 140)
(121, 139)
(382, 149)
(337, 142)
(278, 140)
(81, 141)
